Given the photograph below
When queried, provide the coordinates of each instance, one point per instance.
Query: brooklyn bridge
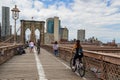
(101, 62)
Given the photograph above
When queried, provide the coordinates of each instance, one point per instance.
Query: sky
(99, 18)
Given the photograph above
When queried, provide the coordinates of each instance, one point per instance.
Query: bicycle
(79, 66)
(38, 46)
(38, 49)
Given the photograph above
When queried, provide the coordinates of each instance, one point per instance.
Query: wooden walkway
(45, 66)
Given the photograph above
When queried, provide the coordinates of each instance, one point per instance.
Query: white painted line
(39, 67)
(84, 78)
(67, 67)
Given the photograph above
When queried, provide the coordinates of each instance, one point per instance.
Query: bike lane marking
(40, 69)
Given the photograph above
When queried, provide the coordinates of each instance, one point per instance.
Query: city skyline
(5, 22)
(100, 18)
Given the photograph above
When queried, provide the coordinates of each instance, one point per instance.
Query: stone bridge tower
(32, 25)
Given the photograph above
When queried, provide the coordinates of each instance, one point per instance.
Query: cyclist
(78, 52)
(38, 46)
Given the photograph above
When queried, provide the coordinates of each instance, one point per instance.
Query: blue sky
(100, 18)
(51, 2)
(108, 3)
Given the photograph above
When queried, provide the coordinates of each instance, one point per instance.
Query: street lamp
(15, 16)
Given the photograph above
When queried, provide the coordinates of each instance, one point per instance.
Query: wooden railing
(106, 66)
(7, 52)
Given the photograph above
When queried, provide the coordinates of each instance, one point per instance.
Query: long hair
(56, 42)
(78, 44)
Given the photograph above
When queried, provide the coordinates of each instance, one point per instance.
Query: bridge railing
(106, 66)
(111, 50)
(8, 51)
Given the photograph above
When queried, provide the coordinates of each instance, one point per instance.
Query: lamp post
(15, 16)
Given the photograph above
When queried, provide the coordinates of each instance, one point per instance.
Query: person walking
(31, 46)
(55, 48)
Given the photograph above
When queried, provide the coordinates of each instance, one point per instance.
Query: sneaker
(73, 67)
(81, 64)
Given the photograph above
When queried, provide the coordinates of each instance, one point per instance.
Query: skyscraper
(50, 25)
(64, 34)
(81, 35)
(56, 29)
(0, 31)
(5, 22)
(53, 27)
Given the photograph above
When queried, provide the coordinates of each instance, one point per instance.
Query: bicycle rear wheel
(38, 51)
(71, 65)
(81, 69)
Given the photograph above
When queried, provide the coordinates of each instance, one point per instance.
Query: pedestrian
(55, 48)
(31, 46)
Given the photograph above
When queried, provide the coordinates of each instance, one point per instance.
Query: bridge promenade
(46, 66)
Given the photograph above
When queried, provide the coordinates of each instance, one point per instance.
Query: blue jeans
(56, 52)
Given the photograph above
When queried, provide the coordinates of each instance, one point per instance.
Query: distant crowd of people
(31, 45)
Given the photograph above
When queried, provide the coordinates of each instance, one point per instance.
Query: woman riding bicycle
(78, 52)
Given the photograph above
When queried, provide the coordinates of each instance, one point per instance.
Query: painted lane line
(84, 78)
(67, 67)
(39, 67)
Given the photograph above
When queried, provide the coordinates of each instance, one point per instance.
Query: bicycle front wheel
(81, 69)
(71, 65)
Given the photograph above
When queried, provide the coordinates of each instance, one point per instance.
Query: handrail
(10, 46)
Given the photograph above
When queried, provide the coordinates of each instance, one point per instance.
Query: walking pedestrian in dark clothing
(38, 46)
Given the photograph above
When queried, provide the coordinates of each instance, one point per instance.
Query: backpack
(80, 52)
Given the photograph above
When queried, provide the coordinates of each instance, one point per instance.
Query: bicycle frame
(79, 67)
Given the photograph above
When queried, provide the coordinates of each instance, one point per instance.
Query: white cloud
(90, 15)
(38, 5)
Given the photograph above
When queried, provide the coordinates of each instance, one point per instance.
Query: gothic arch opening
(27, 34)
(37, 34)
